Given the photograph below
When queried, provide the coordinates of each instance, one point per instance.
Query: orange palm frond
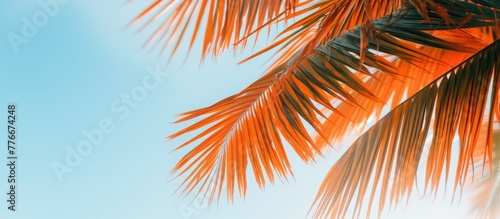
(455, 103)
(321, 21)
(486, 199)
(225, 24)
(351, 119)
(250, 127)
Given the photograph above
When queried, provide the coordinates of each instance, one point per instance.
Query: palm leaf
(455, 103)
(321, 21)
(251, 126)
(486, 200)
(352, 119)
(227, 21)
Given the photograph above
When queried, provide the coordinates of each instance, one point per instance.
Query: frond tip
(486, 200)
(220, 23)
(455, 103)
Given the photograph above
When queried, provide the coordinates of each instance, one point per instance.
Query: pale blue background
(64, 81)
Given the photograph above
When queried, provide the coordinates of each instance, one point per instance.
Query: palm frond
(352, 119)
(251, 126)
(486, 200)
(455, 103)
(227, 21)
(321, 21)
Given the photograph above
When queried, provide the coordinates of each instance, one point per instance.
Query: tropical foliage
(433, 64)
(486, 200)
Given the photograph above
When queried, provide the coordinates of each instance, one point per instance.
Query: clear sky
(71, 78)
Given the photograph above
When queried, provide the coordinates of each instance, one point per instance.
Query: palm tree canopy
(340, 62)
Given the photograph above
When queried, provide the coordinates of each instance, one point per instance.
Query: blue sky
(71, 77)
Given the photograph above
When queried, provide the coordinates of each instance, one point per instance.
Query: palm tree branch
(486, 197)
(394, 89)
(454, 103)
(321, 21)
(249, 126)
(224, 22)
